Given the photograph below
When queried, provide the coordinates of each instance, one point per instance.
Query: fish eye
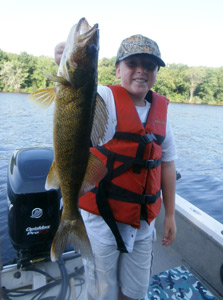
(91, 49)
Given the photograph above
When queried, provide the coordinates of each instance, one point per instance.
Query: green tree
(182, 85)
(171, 82)
(3, 59)
(26, 73)
(165, 84)
(207, 89)
(44, 65)
(219, 91)
(195, 77)
(12, 76)
(28, 63)
(106, 72)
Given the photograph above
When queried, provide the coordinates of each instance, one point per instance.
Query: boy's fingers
(168, 238)
(59, 51)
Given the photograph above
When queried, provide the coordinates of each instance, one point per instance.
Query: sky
(187, 31)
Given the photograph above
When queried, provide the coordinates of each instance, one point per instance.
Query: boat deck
(198, 247)
(188, 269)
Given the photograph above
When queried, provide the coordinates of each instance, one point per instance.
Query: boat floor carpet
(176, 284)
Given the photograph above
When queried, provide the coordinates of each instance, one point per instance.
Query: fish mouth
(85, 35)
(81, 48)
(84, 31)
(81, 33)
(83, 27)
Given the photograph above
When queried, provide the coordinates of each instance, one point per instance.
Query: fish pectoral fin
(52, 181)
(100, 121)
(95, 172)
(58, 79)
(43, 97)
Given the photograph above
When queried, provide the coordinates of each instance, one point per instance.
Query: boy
(139, 152)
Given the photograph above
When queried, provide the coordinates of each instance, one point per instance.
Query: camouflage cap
(139, 44)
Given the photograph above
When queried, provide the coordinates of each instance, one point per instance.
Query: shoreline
(171, 101)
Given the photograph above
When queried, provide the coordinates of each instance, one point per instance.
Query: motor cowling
(34, 213)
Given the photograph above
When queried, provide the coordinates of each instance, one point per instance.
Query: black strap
(149, 96)
(118, 193)
(107, 189)
(105, 210)
(128, 162)
(146, 138)
(143, 140)
(144, 214)
(122, 194)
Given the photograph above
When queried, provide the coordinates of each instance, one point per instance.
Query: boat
(191, 268)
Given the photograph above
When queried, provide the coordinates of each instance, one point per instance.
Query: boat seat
(177, 283)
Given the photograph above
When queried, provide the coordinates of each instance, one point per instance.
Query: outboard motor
(34, 213)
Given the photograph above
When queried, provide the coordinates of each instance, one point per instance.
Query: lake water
(199, 141)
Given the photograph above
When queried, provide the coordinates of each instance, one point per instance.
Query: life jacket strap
(143, 140)
(118, 193)
(106, 213)
(146, 138)
(106, 189)
(128, 162)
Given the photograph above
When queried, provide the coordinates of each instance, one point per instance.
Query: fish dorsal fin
(95, 172)
(52, 181)
(58, 79)
(100, 121)
(43, 97)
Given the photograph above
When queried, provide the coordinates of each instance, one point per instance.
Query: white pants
(129, 271)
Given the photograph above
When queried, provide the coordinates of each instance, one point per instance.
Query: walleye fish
(80, 116)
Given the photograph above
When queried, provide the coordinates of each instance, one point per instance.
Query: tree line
(26, 73)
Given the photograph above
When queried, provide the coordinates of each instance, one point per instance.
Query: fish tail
(71, 232)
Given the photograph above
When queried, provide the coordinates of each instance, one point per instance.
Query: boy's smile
(138, 75)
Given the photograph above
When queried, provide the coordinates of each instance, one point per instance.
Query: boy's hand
(168, 190)
(59, 51)
(169, 231)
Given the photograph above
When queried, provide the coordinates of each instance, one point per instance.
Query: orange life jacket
(131, 189)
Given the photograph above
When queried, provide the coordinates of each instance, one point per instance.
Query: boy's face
(137, 74)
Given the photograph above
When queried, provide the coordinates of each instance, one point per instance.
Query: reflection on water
(22, 125)
(199, 141)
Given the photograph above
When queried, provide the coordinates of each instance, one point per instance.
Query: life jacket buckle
(146, 164)
(149, 164)
(148, 138)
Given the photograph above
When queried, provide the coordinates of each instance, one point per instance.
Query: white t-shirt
(95, 225)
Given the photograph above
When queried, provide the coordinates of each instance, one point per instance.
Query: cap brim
(159, 61)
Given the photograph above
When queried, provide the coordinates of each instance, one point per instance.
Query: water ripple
(199, 142)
